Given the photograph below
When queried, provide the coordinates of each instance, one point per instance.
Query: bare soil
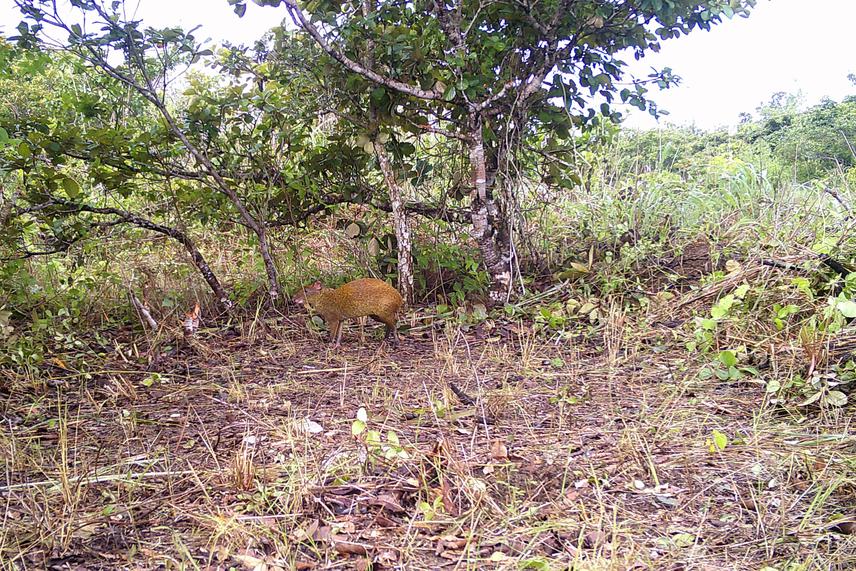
(512, 452)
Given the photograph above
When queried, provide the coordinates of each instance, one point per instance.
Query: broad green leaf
(373, 437)
(847, 308)
(720, 440)
(728, 358)
(836, 398)
(72, 189)
(812, 399)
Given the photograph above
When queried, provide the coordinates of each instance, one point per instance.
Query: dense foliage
(498, 150)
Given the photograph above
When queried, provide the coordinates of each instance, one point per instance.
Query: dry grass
(243, 455)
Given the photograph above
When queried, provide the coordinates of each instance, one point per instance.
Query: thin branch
(300, 20)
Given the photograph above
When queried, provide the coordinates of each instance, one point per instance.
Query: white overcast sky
(802, 46)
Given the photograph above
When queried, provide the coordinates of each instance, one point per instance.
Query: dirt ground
(494, 449)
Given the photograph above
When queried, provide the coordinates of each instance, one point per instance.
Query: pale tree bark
(485, 215)
(403, 237)
(400, 223)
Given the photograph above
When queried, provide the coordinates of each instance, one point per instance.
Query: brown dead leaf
(448, 502)
(594, 538)
(362, 565)
(388, 502)
(387, 558)
(748, 503)
(249, 562)
(307, 532)
(349, 547)
(498, 450)
(323, 534)
(384, 521)
(450, 543)
(845, 526)
(304, 565)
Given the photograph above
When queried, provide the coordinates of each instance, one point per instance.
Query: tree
(46, 128)
(148, 59)
(488, 75)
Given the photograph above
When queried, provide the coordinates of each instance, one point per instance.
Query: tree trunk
(396, 196)
(400, 222)
(485, 215)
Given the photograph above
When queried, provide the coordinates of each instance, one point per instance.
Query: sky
(786, 45)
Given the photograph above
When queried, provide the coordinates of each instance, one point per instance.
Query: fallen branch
(143, 312)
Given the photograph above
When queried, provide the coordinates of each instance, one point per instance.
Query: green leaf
(836, 398)
(720, 440)
(378, 94)
(774, 386)
(847, 308)
(373, 437)
(741, 291)
(25, 151)
(4, 135)
(72, 189)
(683, 540)
(728, 358)
(812, 399)
(358, 427)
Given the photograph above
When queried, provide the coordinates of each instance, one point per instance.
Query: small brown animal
(367, 296)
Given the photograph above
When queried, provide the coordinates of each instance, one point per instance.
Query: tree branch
(300, 20)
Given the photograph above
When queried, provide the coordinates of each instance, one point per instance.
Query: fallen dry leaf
(349, 547)
(250, 562)
(498, 450)
(387, 557)
(307, 532)
(594, 538)
(448, 503)
(450, 542)
(845, 526)
(387, 501)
